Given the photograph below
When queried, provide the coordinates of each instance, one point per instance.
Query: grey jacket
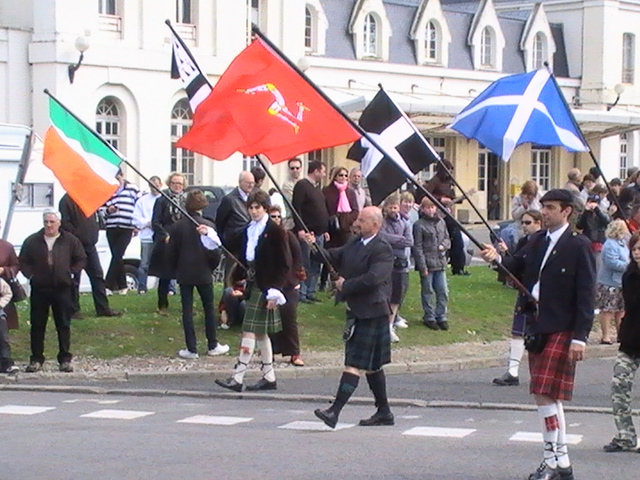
(397, 231)
(431, 243)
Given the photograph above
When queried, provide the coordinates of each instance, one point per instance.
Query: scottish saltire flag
(517, 109)
(184, 67)
(405, 148)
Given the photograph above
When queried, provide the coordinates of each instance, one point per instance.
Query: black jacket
(593, 223)
(309, 202)
(74, 221)
(232, 218)
(367, 273)
(273, 261)
(629, 334)
(567, 282)
(68, 259)
(192, 262)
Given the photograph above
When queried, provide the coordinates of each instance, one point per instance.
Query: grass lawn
(479, 310)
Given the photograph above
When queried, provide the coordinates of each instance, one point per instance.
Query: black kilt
(369, 348)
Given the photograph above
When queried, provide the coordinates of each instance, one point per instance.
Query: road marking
(314, 426)
(23, 410)
(537, 437)
(117, 414)
(214, 420)
(89, 400)
(439, 432)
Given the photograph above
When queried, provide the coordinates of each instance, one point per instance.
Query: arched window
(182, 160)
(308, 29)
(431, 46)
(539, 50)
(628, 57)
(370, 38)
(108, 121)
(487, 48)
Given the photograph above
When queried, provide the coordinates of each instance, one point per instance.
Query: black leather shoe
(377, 420)
(432, 324)
(545, 472)
(306, 300)
(613, 447)
(110, 313)
(444, 325)
(329, 417)
(263, 384)
(566, 473)
(314, 300)
(506, 380)
(230, 384)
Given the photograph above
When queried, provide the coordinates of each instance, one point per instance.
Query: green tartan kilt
(258, 319)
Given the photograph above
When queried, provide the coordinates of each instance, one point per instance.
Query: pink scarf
(343, 201)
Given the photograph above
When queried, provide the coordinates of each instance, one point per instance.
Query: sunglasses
(275, 216)
(527, 222)
(342, 175)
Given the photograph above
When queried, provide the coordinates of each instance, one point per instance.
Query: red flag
(262, 105)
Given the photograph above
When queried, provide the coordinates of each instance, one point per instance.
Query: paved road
(592, 390)
(53, 436)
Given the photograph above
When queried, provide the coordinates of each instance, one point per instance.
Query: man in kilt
(558, 267)
(267, 262)
(364, 264)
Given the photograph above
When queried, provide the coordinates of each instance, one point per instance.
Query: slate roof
(458, 13)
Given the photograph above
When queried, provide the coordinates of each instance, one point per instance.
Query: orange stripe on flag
(86, 187)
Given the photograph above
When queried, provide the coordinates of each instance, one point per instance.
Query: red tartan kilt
(552, 373)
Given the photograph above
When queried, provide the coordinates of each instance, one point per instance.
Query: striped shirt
(124, 200)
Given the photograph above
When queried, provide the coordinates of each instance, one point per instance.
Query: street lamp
(81, 44)
(619, 88)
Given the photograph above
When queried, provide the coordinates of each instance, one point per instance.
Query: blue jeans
(143, 270)
(206, 295)
(308, 288)
(235, 307)
(434, 282)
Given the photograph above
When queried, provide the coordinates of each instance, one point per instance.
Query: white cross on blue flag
(517, 109)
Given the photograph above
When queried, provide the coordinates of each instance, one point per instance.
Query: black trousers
(96, 277)
(59, 301)
(287, 341)
(457, 256)
(119, 239)
(206, 295)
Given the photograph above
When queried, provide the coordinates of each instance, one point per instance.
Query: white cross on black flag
(405, 147)
(184, 67)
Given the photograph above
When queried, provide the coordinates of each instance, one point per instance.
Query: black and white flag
(405, 147)
(184, 67)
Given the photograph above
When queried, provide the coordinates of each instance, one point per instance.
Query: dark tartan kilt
(552, 373)
(369, 348)
(258, 319)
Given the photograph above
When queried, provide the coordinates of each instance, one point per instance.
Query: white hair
(51, 211)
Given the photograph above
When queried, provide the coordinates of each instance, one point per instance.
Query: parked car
(214, 196)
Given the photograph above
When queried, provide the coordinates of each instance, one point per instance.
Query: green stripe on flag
(64, 122)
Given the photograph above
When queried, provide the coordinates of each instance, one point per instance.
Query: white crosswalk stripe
(537, 437)
(117, 414)
(439, 432)
(215, 420)
(313, 426)
(23, 410)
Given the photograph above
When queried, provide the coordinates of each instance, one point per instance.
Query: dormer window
(539, 50)
(370, 37)
(308, 29)
(431, 42)
(315, 28)
(487, 48)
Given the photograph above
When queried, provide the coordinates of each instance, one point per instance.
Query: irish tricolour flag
(82, 162)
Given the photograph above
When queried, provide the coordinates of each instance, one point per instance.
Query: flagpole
(19, 181)
(444, 168)
(332, 270)
(125, 161)
(366, 135)
(186, 49)
(584, 140)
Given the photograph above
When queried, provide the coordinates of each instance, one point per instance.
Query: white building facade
(432, 56)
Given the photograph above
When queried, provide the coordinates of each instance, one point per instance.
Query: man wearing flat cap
(558, 268)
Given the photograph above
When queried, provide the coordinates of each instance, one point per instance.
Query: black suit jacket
(232, 218)
(567, 283)
(367, 273)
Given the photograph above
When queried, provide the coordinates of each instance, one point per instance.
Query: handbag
(18, 291)
(400, 263)
(535, 342)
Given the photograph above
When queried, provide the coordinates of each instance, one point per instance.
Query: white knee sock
(516, 350)
(247, 346)
(549, 417)
(562, 452)
(266, 351)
